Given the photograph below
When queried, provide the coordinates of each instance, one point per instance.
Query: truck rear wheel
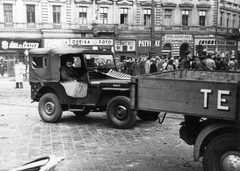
(119, 113)
(223, 153)
(147, 115)
(49, 108)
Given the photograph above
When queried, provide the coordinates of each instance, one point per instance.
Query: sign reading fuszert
(91, 42)
(174, 37)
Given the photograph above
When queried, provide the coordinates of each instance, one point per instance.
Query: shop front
(215, 45)
(176, 44)
(13, 49)
(91, 43)
(125, 49)
(144, 46)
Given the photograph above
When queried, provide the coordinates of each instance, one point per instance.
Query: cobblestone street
(90, 143)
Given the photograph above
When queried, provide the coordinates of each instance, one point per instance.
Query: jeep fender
(215, 129)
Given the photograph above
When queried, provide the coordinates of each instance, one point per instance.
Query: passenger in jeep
(68, 72)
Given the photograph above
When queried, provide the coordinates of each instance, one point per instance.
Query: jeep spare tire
(49, 108)
(119, 113)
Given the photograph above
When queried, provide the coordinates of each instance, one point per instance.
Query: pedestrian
(200, 64)
(118, 65)
(147, 65)
(1, 69)
(170, 66)
(185, 62)
(232, 65)
(19, 73)
(136, 67)
(210, 63)
(153, 66)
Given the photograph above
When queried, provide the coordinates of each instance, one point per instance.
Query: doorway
(184, 47)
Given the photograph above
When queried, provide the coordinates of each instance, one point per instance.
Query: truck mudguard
(212, 127)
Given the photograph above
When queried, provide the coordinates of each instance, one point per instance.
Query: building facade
(123, 26)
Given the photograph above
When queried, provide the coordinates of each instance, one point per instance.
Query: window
(221, 19)
(83, 15)
(238, 21)
(147, 17)
(8, 13)
(202, 18)
(103, 15)
(39, 62)
(30, 14)
(228, 17)
(167, 16)
(185, 14)
(234, 21)
(124, 16)
(56, 14)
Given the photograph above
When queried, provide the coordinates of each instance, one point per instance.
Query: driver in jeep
(70, 80)
(68, 72)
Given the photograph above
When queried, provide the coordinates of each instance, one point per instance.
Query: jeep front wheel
(119, 113)
(49, 108)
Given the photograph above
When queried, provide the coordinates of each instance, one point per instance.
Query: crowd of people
(145, 65)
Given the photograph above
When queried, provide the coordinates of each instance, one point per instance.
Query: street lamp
(152, 52)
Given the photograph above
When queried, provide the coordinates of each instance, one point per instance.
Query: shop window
(56, 14)
(124, 16)
(103, 15)
(39, 62)
(8, 13)
(30, 13)
(202, 18)
(83, 15)
(147, 17)
(185, 14)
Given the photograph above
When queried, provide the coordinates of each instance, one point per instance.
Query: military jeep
(105, 89)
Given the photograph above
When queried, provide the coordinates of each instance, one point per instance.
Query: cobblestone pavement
(89, 144)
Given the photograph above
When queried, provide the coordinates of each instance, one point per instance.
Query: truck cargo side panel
(200, 98)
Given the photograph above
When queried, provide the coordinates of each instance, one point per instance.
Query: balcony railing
(118, 28)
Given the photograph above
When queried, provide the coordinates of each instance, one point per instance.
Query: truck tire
(49, 108)
(147, 116)
(119, 113)
(83, 113)
(222, 153)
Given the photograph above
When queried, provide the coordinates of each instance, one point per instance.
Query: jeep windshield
(100, 60)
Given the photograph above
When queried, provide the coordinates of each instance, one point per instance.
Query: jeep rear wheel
(119, 113)
(49, 108)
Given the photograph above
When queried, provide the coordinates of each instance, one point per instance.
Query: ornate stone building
(124, 26)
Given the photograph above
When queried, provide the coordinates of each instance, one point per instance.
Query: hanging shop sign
(18, 44)
(125, 45)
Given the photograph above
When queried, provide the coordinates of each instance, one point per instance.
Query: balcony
(105, 28)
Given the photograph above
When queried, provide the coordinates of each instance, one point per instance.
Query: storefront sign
(18, 44)
(213, 42)
(178, 37)
(125, 45)
(92, 42)
(53, 43)
(147, 43)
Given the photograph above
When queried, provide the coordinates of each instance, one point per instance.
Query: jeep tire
(49, 108)
(119, 113)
